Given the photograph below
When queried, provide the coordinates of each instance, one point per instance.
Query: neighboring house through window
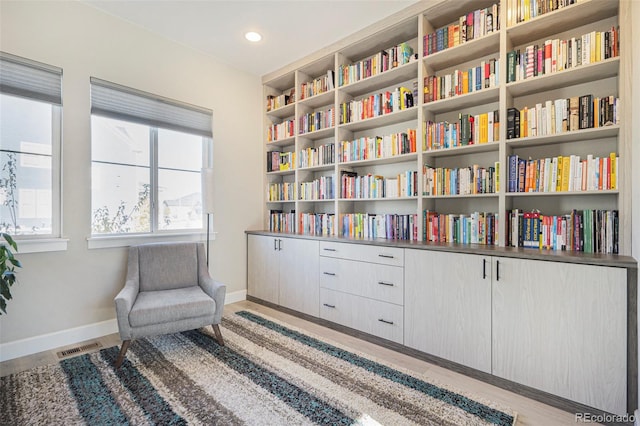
(147, 155)
(30, 139)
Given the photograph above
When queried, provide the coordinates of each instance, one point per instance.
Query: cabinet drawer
(375, 254)
(380, 282)
(370, 316)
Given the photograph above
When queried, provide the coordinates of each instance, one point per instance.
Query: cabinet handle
(497, 270)
(279, 245)
(275, 244)
(328, 249)
(331, 274)
(385, 321)
(484, 269)
(384, 283)
(329, 306)
(387, 256)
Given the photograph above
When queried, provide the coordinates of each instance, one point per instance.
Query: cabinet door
(561, 328)
(448, 306)
(299, 288)
(263, 267)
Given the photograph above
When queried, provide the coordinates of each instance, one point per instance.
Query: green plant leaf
(5, 291)
(15, 262)
(10, 241)
(3, 305)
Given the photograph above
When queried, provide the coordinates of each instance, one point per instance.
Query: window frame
(120, 111)
(38, 91)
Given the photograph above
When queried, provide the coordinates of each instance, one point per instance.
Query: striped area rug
(267, 374)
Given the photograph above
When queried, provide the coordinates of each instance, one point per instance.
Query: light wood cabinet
(284, 271)
(448, 306)
(562, 328)
(362, 287)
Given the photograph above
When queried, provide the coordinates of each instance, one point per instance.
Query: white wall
(74, 288)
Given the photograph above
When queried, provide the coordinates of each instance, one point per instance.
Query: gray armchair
(168, 289)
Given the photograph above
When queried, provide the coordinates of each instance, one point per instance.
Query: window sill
(41, 245)
(111, 241)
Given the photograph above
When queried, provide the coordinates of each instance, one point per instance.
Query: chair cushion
(168, 266)
(163, 306)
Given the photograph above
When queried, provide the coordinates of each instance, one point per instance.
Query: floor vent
(78, 350)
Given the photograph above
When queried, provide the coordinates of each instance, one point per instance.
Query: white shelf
(283, 112)
(382, 120)
(576, 135)
(562, 193)
(317, 168)
(385, 160)
(391, 77)
(582, 74)
(432, 197)
(327, 200)
(464, 52)
(484, 96)
(281, 172)
(323, 99)
(585, 12)
(282, 142)
(381, 199)
(460, 150)
(318, 134)
(281, 202)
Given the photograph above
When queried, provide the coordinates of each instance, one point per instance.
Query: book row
(376, 105)
(278, 101)
(318, 189)
(369, 148)
(321, 224)
(317, 86)
(563, 173)
(284, 130)
(467, 130)
(563, 115)
(559, 55)
(282, 222)
(318, 120)
(470, 26)
(280, 161)
(459, 82)
(588, 231)
(475, 228)
(524, 10)
(371, 186)
(460, 181)
(282, 191)
(318, 156)
(382, 61)
(389, 226)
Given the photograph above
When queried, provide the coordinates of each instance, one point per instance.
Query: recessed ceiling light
(253, 36)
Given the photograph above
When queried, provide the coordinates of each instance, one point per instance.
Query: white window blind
(30, 79)
(124, 103)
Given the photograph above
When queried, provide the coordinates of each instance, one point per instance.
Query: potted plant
(8, 263)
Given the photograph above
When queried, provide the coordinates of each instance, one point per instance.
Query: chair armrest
(217, 291)
(124, 302)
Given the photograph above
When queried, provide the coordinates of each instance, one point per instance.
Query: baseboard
(236, 296)
(46, 342)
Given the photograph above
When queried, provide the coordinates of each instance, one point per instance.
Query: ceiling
(291, 29)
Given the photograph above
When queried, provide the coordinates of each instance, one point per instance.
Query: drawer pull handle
(331, 274)
(385, 321)
(328, 249)
(384, 283)
(329, 306)
(387, 256)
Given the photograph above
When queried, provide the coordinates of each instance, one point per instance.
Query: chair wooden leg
(216, 331)
(123, 351)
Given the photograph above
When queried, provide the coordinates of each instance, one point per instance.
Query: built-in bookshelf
(420, 129)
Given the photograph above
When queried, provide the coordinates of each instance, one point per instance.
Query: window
(147, 156)
(30, 123)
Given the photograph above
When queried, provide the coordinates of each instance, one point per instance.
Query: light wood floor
(530, 412)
